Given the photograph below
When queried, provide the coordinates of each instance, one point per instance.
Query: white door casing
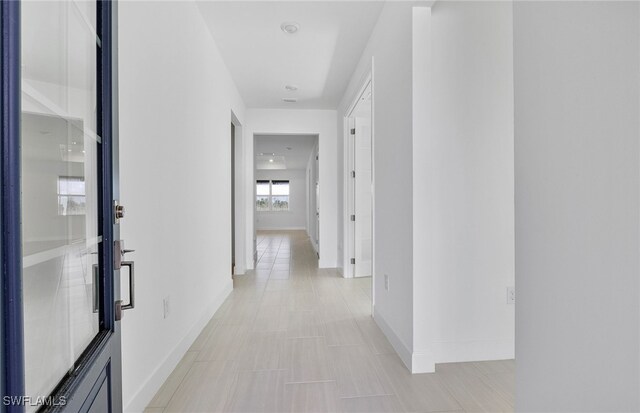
(363, 198)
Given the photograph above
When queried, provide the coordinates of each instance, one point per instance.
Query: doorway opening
(286, 184)
(359, 186)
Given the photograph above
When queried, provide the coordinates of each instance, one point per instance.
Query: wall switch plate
(511, 295)
(165, 307)
(386, 282)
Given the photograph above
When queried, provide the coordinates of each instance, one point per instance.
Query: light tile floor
(295, 338)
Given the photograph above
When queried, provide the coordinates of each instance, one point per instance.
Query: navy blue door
(60, 256)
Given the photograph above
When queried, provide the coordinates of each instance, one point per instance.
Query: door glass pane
(59, 188)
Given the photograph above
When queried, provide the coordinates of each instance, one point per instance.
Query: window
(72, 199)
(272, 195)
(263, 190)
(279, 195)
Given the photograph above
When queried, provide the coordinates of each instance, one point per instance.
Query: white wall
(577, 105)
(295, 217)
(443, 154)
(390, 47)
(463, 184)
(291, 121)
(176, 98)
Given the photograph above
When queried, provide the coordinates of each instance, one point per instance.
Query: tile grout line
(368, 395)
(309, 382)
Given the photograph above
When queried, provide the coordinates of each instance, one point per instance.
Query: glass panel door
(60, 192)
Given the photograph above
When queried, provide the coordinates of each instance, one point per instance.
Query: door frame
(249, 182)
(238, 164)
(315, 160)
(101, 360)
(348, 187)
(12, 378)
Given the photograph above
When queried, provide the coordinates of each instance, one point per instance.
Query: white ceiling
(295, 158)
(319, 59)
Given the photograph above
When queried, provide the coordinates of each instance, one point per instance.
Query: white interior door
(363, 198)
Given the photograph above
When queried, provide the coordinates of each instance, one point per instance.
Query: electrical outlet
(511, 295)
(165, 307)
(386, 282)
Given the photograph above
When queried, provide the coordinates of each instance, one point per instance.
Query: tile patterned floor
(295, 338)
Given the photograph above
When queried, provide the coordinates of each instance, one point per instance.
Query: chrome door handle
(132, 295)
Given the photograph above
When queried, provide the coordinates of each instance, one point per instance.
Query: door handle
(132, 294)
(119, 253)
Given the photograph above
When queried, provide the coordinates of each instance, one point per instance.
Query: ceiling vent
(290, 27)
(290, 100)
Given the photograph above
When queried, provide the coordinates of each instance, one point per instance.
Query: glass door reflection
(60, 146)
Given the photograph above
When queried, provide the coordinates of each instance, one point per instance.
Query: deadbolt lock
(119, 212)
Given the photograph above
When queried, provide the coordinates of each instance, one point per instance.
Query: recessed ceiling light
(270, 160)
(289, 100)
(291, 88)
(290, 27)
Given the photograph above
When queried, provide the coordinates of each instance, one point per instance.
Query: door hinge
(353, 131)
(353, 174)
(353, 261)
(353, 217)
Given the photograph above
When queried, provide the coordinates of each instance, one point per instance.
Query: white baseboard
(401, 349)
(416, 362)
(143, 396)
(422, 362)
(473, 350)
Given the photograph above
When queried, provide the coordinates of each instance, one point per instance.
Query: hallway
(295, 338)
